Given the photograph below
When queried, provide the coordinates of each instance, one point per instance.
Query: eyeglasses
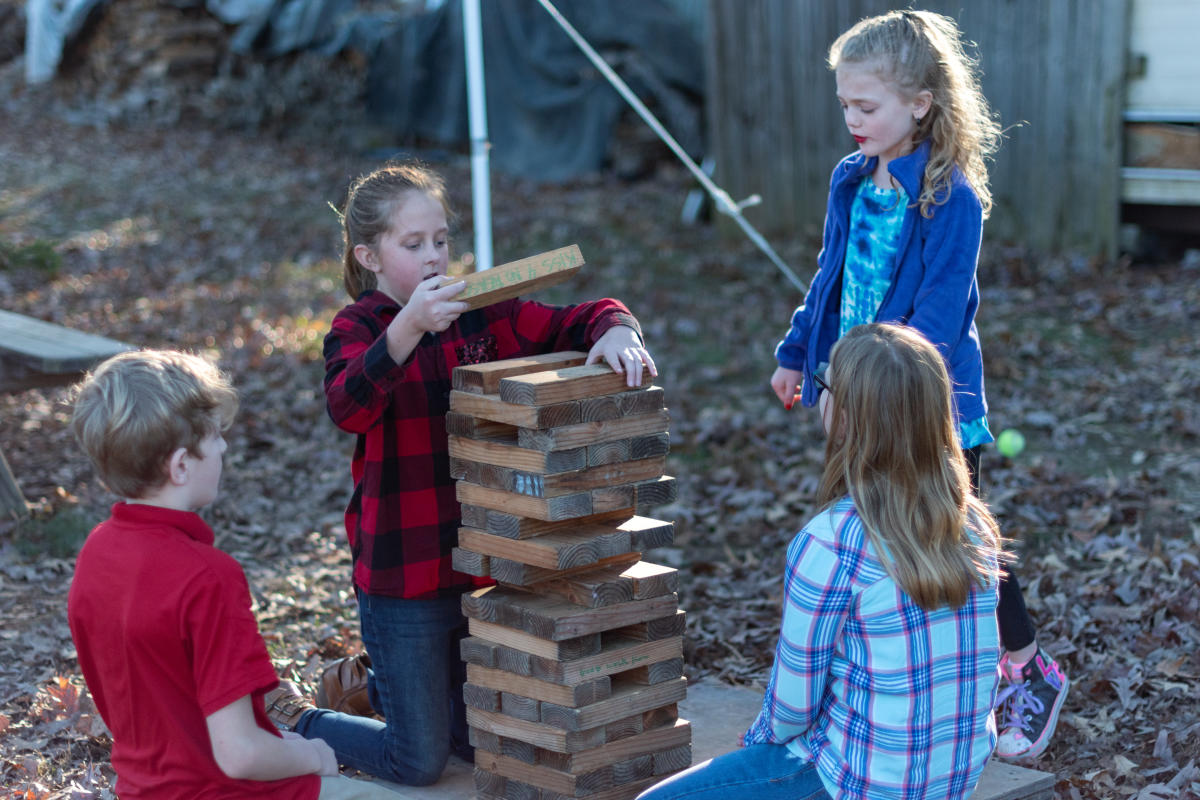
(819, 379)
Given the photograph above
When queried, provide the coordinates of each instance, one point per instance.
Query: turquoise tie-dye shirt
(875, 219)
(876, 216)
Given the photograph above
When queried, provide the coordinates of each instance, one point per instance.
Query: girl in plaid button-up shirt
(388, 363)
(886, 666)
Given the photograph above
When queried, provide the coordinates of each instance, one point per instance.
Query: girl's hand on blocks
(787, 383)
(624, 351)
(432, 307)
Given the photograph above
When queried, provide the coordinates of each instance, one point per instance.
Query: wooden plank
(652, 580)
(663, 715)
(634, 449)
(557, 484)
(624, 404)
(491, 407)
(552, 618)
(566, 436)
(633, 769)
(483, 740)
(619, 657)
(611, 498)
(566, 783)
(659, 672)
(478, 651)
(629, 776)
(1002, 781)
(1161, 145)
(628, 791)
(584, 545)
(522, 751)
(616, 656)
(565, 650)
(535, 733)
(627, 699)
(646, 533)
(601, 476)
(624, 728)
(661, 628)
(481, 697)
(491, 785)
(518, 574)
(544, 508)
(519, 706)
(594, 588)
(673, 760)
(485, 378)
(518, 277)
(470, 563)
(517, 458)
(571, 696)
(469, 427)
(667, 737)
(52, 349)
(656, 492)
(570, 383)
(512, 526)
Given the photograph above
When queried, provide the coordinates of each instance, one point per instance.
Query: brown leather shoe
(285, 705)
(343, 686)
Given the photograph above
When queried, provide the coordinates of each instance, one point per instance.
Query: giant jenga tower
(575, 658)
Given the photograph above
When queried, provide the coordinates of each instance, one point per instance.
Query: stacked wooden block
(575, 658)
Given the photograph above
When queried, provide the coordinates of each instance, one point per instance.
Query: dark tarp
(550, 111)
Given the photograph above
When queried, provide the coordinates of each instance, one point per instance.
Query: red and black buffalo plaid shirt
(403, 518)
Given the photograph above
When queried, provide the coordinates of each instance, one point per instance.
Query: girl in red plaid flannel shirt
(388, 358)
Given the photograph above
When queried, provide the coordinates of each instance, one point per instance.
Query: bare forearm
(245, 751)
(269, 758)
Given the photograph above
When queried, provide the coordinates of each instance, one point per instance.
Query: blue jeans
(415, 683)
(760, 771)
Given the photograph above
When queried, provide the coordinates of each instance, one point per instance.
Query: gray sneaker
(1027, 708)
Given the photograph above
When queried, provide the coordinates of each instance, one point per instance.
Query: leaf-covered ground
(192, 236)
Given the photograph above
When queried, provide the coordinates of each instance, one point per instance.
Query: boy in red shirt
(161, 619)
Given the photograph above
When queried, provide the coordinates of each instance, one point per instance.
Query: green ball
(1010, 442)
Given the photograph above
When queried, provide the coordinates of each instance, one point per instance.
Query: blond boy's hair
(137, 408)
(894, 449)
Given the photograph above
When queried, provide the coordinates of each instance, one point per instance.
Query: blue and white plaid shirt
(889, 700)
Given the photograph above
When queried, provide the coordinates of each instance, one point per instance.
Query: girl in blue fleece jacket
(901, 244)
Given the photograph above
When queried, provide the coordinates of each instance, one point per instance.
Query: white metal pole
(481, 201)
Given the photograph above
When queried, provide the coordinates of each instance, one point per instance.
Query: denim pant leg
(760, 771)
(409, 642)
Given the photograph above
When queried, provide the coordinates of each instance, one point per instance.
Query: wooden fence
(1052, 69)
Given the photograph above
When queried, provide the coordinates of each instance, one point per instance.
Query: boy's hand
(326, 758)
(787, 383)
(624, 351)
(432, 307)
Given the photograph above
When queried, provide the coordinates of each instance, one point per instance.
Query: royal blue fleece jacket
(933, 284)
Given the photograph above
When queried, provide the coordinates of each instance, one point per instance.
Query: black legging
(1016, 628)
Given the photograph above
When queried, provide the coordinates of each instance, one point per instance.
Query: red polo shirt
(165, 635)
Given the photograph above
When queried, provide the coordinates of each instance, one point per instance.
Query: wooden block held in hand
(517, 277)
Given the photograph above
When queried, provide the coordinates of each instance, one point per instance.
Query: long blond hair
(893, 448)
(916, 51)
